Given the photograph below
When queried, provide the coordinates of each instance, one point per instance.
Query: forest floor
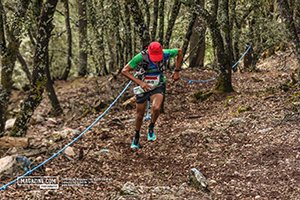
(246, 143)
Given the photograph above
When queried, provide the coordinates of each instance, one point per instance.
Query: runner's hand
(145, 86)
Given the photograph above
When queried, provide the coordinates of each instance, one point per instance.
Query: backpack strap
(144, 65)
(146, 62)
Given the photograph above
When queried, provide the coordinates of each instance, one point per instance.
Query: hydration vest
(144, 71)
(145, 64)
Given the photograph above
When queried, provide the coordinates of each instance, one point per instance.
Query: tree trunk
(224, 80)
(39, 79)
(116, 20)
(227, 27)
(197, 45)
(155, 19)
(129, 49)
(24, 66)
(147, 12)
(99, 33)
(286, 14)
(57, 110)
(142, 29)
(69, 40)
(2, 31)
(236, 49)
(82, 26)
(112, 59)
(9, 57)
(174, 14)
(248, 61)
(189, 30)
(161, 22)
(3, 102)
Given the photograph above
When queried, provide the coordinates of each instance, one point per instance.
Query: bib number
(153, 81)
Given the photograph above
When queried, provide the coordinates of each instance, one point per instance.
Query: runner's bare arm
(126, 72)
(176, 75)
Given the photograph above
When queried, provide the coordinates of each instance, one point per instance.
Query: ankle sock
(136, 137)
(151, 126)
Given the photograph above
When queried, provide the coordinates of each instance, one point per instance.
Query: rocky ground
(245, 143)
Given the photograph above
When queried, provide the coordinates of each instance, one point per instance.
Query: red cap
(155, 52)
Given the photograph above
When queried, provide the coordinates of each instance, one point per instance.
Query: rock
(104, 151)
(6, 164)
(212, 182)
(129, 189)
(105, 130)
(242, 109)
(181, 189)
(56, 136)
(10, 123)
(266, 130)
(60, 135)
(197, 179)
(48, 170)
(39, 159)
(38, 119)
(235, 121)
(68, 132)
(9, 142)
(51, 121)
(105, 154)
(70, 152)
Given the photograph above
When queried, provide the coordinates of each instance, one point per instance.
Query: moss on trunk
(224, 84)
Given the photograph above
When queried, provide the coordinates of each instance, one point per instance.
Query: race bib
(152, 80)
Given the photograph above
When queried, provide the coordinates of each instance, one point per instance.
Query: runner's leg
(157, 100)
(140, 110)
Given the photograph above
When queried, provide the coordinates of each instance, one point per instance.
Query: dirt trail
(246, 143)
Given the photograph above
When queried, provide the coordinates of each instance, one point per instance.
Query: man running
(152, 84)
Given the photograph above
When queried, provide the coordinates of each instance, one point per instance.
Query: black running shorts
(141, 98)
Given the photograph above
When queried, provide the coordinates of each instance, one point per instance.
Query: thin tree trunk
(174, 14)
(236, 34)
(161, 22)
(116, 21)
(286, 14)
(147, 12)
(9, 57)
(82, 25)
(2, 52)
(139, 22)
(129, 49)
(69, 40)
(227, 27)
(112, 59)
(236, 49)
(2, 30)
(99, 33)
(39, 79)
(155, 19)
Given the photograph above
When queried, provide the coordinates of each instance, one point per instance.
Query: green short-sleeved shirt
(137, 59)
